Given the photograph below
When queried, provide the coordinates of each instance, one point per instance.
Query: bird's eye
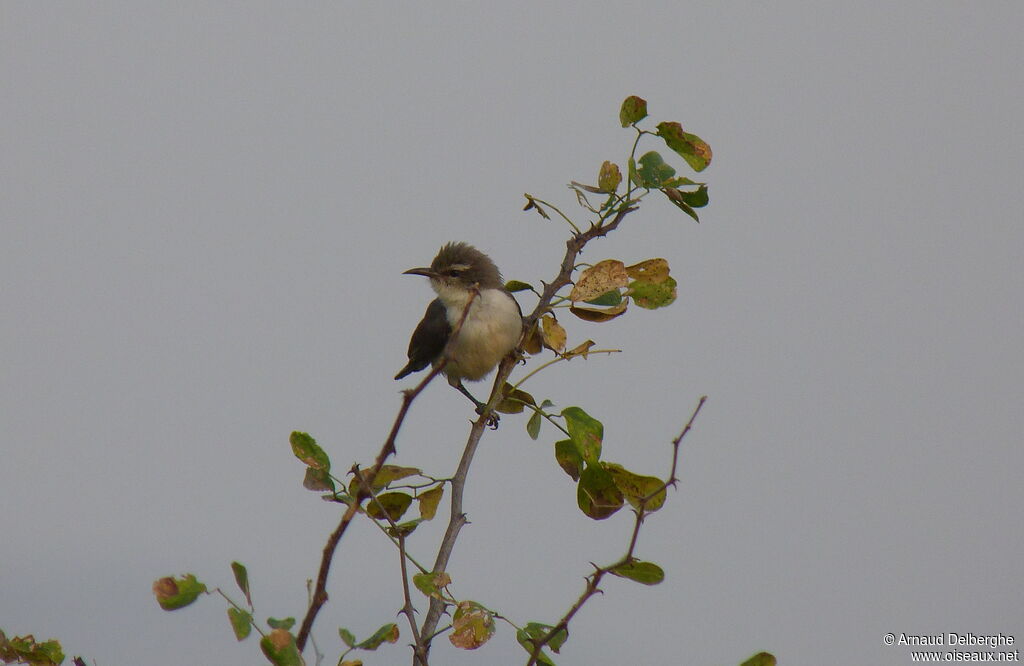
(455, 272)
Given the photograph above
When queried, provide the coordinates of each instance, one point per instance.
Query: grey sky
(205, 216)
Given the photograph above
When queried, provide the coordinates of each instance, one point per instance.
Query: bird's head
(460, 266)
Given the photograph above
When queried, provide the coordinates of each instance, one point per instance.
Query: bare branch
(320, 591)
(594, 579)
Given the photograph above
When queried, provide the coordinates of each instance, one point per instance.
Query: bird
(491, 330)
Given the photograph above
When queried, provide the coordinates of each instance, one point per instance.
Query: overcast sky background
(206, 211)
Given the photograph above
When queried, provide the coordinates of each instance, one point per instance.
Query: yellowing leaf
(579, 350)
(472, 626)
(279, 647)
(633, 110)
(429, 499)
(432, 583)
(514, 400)
(174, 593)
(598, 279)
(609, 177)
(389, 633)
(637, 488)
(690, 147)
(554, 334)
(760, 659)
(394, 504)
(651, 270)
(385, 476)
(532, 343)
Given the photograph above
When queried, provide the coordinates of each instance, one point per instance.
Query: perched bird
(492, 327)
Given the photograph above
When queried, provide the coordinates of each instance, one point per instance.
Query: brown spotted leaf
(472, 626)
(600, 278)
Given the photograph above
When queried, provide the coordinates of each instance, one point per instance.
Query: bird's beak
(425, 272)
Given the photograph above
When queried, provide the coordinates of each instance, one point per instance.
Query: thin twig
(320, 592)
(594, 579)
(419, 651)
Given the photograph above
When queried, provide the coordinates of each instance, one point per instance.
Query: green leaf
(347, 637)
(515, 285)
(389, 633)
(679, 181)
(696, 198)
(676, 197)
(279, 647)
(533, 426)
(472, 626)
(612, 297)
(535, 631)
(652, 295)
(242, 578)
(569, 458)
(286, 624)
(633, 110)
(395, 504)
(306, 449)
(597, 495)
(174, 593)
(647, 573)
(690, 147)
(586, 433)
(635, 487)
(404, 529)
(653, 171)
(317, 480)
(760, 659)
(431, 584)
(25, 649)
(428, 501)
(241, 623)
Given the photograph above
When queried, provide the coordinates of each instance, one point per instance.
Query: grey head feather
(466, 264)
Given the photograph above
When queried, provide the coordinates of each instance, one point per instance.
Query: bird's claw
(492, 418)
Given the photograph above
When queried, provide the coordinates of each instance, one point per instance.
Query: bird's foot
(493, 418)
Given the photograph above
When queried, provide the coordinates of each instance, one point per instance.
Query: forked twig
(320, 591)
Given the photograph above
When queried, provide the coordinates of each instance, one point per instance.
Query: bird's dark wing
(428, 340)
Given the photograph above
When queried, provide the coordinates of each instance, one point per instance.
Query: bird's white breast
(491, 330)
